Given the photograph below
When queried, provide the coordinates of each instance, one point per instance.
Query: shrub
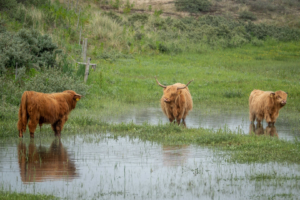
(138, 18)
(264, 6)
(46, 80)
(193, 6)
(247, 15)
(37, 3)
(7, 5)
(27, 48)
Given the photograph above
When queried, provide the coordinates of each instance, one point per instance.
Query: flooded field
(102, 166)
(99, 166)
(236, 120)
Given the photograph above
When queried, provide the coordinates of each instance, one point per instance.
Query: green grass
(221, 77)
(4, 195)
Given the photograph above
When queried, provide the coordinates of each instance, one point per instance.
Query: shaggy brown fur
(266, 105)
(176, 102)
(46, 108)
(38, 163)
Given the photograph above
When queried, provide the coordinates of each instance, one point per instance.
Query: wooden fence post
(87, 68)
(84, 49)
(78, 18)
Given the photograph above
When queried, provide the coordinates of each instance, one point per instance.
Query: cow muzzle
(166, 100)
(283, 103)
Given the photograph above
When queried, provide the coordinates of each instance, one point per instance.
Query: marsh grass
(5, 195)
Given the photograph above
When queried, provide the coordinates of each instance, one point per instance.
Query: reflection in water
(38, 164)
(129, 168)
(175, 155)
(259, 130)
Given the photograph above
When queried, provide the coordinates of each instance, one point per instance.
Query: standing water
(237, 121)
(100, 166)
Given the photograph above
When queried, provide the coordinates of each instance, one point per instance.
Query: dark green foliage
(13, 50)
(6, 5)
(261, 31)
(114, 16)
(20, 15)
(264, 6)
(2, 26)
(247, 15)
(80, 71)
(46, 80)
(138, 18)
(193, 6)
(138, 35)
(27, 48)
(37, 3)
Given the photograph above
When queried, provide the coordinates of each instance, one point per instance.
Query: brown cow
(42, 108)
(176, 101)
(266, 105)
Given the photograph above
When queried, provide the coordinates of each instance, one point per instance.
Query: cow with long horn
(176, 101)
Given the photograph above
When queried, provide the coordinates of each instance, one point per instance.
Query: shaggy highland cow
(176, 101)
(266, 105)
(42, 108)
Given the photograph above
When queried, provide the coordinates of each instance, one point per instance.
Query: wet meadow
(117, 144)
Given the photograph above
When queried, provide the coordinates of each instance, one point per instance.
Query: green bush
(264, 6)
(247, 15)
(27, 48)
(193, 6)
(7, 5)
(37, 3)
(45, 80)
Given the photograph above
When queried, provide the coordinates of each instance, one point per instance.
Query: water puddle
(97, 166)
(237, 121)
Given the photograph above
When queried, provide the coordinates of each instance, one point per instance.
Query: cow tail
(23, 119)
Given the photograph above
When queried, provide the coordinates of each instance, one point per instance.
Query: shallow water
(235, 120)
(97, 166)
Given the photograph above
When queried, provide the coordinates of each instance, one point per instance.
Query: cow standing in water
(176, 101)
(266, 105)
(42, 108)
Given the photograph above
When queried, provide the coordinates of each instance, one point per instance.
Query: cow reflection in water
(37, 163)
(175, 155)
(259, 130)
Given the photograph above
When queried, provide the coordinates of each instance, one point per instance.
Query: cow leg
(32, 126)
(54, 128)
(20, 133)
(268, 119)
(251, 117)
(183, 122)
(172, 119)
(59, 126)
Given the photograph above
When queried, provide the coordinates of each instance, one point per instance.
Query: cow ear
(77, 97)
(272, 94)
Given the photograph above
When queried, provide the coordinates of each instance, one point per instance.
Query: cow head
(279, 97)
(171, 92)
(76, 97)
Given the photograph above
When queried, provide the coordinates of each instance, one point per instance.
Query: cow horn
(178, 88)
(159, 83)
